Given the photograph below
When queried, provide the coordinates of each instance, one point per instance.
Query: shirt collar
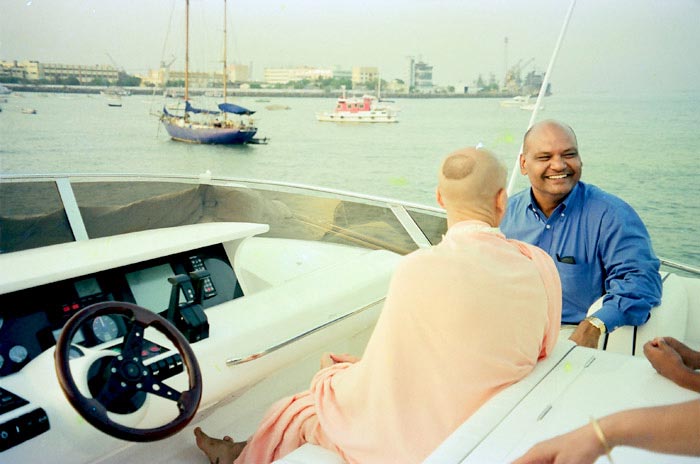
(472, 225)
(532, 206)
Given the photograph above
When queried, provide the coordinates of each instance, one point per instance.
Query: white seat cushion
(311, 454)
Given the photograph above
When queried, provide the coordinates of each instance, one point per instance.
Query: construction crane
(167, 65)
(164, 70)
(513, 80)
(119, 69)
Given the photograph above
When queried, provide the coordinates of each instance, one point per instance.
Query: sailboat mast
(187, 49)
(225, 77)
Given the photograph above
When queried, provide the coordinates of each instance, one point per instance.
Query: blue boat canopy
(191, 109)
(225, 107)
(235, 109)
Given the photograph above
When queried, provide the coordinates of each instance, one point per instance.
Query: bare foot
(218, 451)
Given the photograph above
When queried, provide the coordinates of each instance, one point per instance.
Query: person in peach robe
(462, 321)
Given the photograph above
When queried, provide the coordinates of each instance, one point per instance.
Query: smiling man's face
(551, 161)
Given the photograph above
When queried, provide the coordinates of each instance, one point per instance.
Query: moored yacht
(367, 109)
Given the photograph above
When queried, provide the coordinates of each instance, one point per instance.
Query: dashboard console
(33, 316)
(31, 320)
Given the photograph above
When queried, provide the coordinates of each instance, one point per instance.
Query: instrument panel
(31, 320)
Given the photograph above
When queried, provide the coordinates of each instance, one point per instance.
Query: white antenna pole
(225, 75)
(543, 90)
(187, 50)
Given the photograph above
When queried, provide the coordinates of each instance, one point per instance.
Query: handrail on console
(242, 360)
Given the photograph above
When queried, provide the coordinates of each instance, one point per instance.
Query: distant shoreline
(277, 93)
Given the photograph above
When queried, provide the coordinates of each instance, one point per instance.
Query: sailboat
(209, 126)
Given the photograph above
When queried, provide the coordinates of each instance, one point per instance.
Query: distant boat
(367, 109)
(115, 92)
(209, 126)
(277, 107)
(28, 110)
(173, 93)
(114, 99)
(530, 106)
(516, 102)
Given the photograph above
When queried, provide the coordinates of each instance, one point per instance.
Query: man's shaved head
(458, 166)
(471, 178)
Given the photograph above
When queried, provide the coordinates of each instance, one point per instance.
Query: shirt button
(548, 226)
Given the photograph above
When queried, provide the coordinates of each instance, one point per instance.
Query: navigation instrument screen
(87, 287)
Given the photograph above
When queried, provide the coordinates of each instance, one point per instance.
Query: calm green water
(642, 148)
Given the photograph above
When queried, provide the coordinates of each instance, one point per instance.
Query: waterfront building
(287, 75)
(34, 71)
(340, 73)
(25, 70)
(361, 75)
(160, 77)
(239, 72)
(421, 77)
(84, 73)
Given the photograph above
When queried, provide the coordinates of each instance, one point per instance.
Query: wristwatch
(595, 322)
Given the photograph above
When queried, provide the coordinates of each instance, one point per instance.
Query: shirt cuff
(611, 317)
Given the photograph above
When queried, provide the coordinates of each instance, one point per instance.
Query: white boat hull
(315, 282)
(364, 117)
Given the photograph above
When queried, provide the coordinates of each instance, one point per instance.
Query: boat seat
(311, 454)
(480, 424)
(669, 319)
(265, 262)
(471, 432)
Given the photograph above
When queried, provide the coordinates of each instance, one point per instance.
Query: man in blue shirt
(597, 241)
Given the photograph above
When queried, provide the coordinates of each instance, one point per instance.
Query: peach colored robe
(461, 321)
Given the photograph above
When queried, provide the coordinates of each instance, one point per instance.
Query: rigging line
(167, 32)
(540, 95)
(162, 60)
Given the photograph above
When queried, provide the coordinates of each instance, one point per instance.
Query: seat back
(669, 319)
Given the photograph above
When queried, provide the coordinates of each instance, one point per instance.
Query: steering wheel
(126, 373)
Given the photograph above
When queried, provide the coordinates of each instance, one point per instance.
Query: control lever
(189, 316)
(199, 278)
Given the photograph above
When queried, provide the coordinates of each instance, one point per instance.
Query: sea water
(642, 148)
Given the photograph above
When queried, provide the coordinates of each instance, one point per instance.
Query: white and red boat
(368, 108)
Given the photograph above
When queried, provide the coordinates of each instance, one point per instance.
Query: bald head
(545, 127)
(469, 182)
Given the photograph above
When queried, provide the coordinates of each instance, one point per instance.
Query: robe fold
(462, 321)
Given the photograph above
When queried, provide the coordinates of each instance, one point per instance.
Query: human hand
(580, 446)
(586, 334)
(329, 359)
(690, 357)
(665, 359)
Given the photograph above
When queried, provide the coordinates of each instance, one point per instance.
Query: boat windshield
(33, 215)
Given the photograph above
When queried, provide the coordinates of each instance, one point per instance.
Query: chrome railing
(680, 266)
(252, 357)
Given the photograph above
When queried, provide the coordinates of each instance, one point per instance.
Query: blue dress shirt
(600, 247)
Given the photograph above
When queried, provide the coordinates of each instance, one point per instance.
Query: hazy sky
(611, 45)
